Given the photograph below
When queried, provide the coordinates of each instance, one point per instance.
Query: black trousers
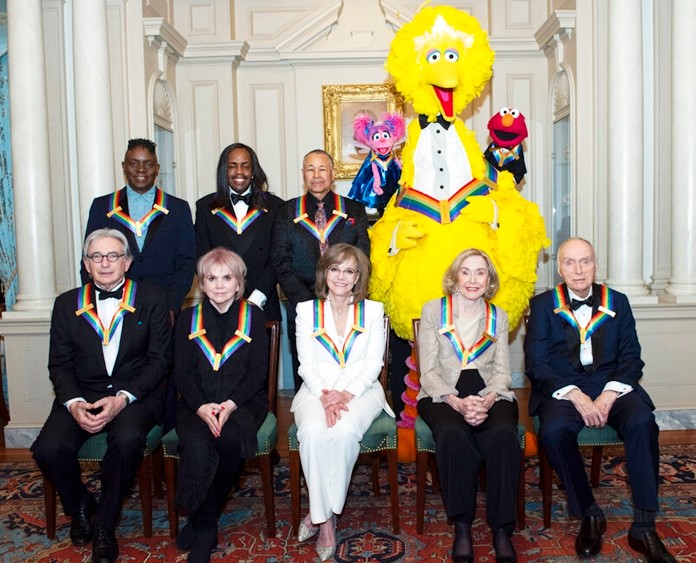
(55, 451)
(460, 449)
(291, 315)
(634, 421)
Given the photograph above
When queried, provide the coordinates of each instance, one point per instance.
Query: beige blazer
(440, 366)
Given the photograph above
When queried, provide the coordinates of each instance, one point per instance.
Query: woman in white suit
(340, 345)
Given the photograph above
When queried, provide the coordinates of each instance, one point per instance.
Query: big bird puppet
(449, 197)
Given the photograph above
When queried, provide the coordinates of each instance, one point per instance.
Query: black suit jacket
(253, 245)
(296, 250)
(168, 257)
(76, 361)
(552, 350)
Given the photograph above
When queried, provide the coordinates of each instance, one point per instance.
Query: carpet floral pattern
(364, 532)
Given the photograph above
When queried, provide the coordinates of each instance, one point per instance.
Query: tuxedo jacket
(296, 250)
(552, 350)
(168, 257)
(440, 366)
(76, 361)
(320, 370)
(253, 245)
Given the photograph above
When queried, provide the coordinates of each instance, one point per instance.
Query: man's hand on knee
(589, 411)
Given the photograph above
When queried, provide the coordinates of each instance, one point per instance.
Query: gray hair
(106, 233)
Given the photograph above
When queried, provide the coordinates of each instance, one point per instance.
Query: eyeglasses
(97, 257)
(348, 272)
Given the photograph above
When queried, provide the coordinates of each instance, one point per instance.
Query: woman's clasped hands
(334, 402)
(473, 408)
(215, 415)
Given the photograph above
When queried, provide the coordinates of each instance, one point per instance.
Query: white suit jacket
(320, 370)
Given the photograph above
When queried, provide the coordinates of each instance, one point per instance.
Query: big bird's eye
(504, 111)
(514, 112)
(451, 55)
(433, 56)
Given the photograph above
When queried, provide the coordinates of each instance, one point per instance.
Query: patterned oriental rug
(364, 530)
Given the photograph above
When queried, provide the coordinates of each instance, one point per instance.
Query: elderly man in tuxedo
(583, 359)
(109, 352)
(304, 229)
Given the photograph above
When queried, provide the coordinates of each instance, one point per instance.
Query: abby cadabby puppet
(378, 177)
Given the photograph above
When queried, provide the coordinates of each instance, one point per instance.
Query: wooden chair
(266, 439)
(425, 456)
(93, 450)
(595, 438)
(379, 440)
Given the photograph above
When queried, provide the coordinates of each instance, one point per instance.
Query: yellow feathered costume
(449, 199)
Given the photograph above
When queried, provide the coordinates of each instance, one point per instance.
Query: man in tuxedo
(109, 353)
(240, 216)
(305, 227)
(158, 226)
(583, 360)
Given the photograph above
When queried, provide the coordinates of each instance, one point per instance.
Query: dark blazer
(253, 245)
(296, 250)
(76, 362)
(168, 258)
(552, 350)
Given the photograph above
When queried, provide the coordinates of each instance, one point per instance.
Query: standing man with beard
(305, 228)
(239, 216)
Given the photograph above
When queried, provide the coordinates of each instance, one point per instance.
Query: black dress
(208, 466)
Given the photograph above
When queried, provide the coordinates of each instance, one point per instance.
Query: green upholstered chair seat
(94, 449)
(266, 438)
(380, 436)
(426, 443)
(606, 436)
(267, 435)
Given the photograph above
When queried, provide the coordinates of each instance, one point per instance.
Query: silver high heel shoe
(304, 532)
(327, 552)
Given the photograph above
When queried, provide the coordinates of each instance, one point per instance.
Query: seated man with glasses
(108, 355)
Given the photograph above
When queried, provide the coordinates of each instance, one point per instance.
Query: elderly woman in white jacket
(340, 345)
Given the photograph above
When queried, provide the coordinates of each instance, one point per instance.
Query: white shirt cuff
(75, 400)
(620, 388)
(560, 394)
(258, 298)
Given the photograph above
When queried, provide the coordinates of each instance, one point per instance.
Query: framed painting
(342, 103)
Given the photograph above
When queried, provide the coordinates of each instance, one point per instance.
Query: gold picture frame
(342, 102)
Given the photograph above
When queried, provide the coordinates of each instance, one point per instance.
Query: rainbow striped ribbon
(467, 355)
(303, 218)
(341, 356)
(158, 208)
(602, 315)
(240, 337)
(503, 155)
(86, 309)
(442, 210)
(239, 226)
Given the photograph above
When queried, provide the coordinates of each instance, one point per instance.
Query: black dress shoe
(184, 539)
(504, 550)
(588, 543)
(650, 545)
(204, 542)
(105, 546)
(81, 524)
(462, 550)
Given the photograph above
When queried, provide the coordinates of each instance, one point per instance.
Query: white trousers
(328, 455)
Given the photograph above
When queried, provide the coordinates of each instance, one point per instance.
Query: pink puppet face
(382, 135)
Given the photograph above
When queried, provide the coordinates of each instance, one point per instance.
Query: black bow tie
(236, 198)
(116, 293)
(423, 121)
(575, 304)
